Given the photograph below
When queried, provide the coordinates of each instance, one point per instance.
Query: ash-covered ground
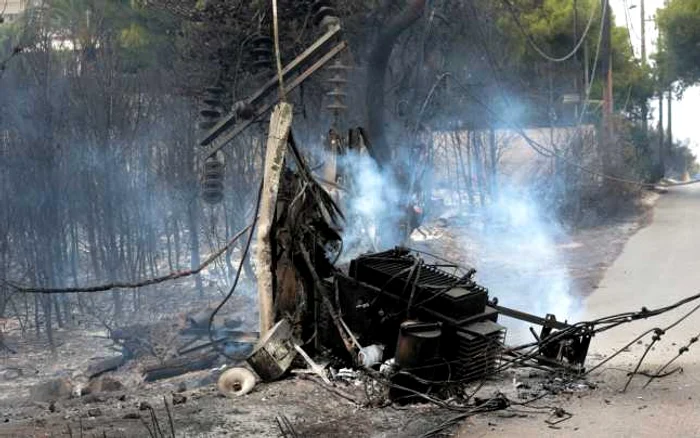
(123, 405)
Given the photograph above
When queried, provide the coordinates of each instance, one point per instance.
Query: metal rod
(527, 317)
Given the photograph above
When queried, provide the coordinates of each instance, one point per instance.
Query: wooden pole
(280, 125)
(662, 152)
(645, 109)
(608, 155)
(669, 119)
(278, 58)
(606, 67)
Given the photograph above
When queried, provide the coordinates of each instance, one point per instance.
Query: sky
(685, 125)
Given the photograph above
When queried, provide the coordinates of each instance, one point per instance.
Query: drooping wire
(543, 150)
(175, 275)
(278, 58)
(533, 44)
(497, 70)
(244, 254)
(681, 351)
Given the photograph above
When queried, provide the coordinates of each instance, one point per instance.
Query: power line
(537, 147)
(244, 255)
(151, 281)
(534, 45)
(629, 21)
(543, 150)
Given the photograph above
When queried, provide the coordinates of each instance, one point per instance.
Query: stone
(179, 399)
(104, 384)
(51, 390)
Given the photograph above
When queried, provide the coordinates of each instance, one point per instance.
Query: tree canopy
(679, 24)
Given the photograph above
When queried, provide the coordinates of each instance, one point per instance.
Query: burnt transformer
(384, 291)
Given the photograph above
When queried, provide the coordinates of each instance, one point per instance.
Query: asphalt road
(658, 266)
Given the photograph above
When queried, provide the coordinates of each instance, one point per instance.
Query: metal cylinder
(417, 358)
(418, 343)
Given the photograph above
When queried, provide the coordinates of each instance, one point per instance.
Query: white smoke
(519, 262)
(372, 205)
(514, 245)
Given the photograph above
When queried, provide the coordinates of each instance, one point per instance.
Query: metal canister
(419, 343)
(417, 358)
(274, 353)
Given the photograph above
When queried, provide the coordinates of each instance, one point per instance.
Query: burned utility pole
(645, 109)
(606, 67)
(246, 112)
(669, 118)
(662, 154)
(280, 125)
(606, 71)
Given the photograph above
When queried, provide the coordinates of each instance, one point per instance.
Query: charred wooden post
(180, 365)
(280, 125)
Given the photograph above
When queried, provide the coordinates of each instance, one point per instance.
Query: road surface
(658, 266)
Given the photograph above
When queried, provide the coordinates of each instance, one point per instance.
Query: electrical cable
(587, 327)
(244, 254)
(151, 281)
(655, 339)
(533, 44)
(278, 58)
(684, 349)
(629, 22)
(627, 25)
(548, 153)
(497, 71)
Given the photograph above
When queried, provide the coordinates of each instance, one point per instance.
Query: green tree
(679, 60)
(555, 28)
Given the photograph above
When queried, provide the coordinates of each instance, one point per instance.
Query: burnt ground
(313, 410)
(196, 406)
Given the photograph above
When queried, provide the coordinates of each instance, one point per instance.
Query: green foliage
(139, 35)
(9, 37)
(550, 23)
(633, 83)
(679, 23)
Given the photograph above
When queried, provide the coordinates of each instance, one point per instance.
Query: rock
(51, 390)
(179, 399)
(95, 412)
(92, 398)
(104, 384)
